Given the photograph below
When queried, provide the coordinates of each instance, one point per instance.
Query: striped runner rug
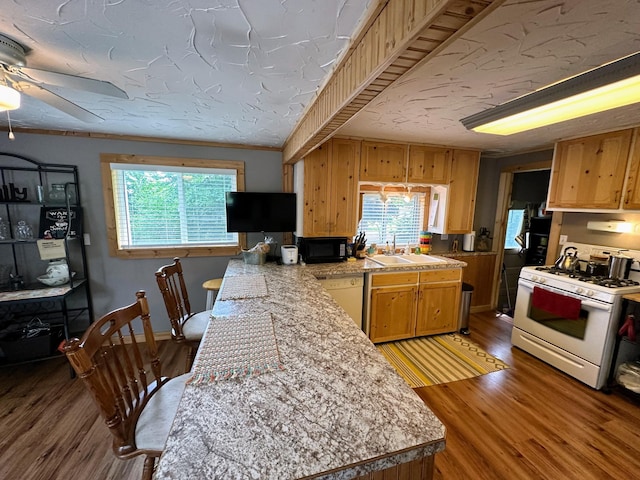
(439, 359)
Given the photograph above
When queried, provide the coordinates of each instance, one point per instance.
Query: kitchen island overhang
(337, 409)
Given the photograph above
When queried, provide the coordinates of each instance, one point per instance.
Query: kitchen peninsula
(335, 410)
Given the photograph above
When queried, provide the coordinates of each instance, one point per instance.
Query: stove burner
(601, 281)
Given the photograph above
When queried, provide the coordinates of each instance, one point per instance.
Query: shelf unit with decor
(41, 220)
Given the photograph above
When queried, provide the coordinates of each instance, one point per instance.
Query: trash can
(465, 307)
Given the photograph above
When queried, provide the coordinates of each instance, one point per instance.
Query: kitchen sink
(405, 259)
(413, 258)
(390, 260)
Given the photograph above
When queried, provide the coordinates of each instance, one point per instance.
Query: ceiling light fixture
(9, 98)
(612, 85)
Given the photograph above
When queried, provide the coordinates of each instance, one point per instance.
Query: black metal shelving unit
(67, 309)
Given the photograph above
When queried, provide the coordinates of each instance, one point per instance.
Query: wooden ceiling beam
(401, 35)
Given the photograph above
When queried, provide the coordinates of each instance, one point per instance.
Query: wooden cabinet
(409, 304)
(479, 273)
(632, 189)
(393, 306)
(438, 302)
(429, 164)
(330, 190)
(383, 162)
(461, 197)
(588, 173)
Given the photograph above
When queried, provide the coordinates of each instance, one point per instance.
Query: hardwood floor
(531, 421)
(527, 422)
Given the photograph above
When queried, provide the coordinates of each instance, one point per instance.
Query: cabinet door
(438, 307)
(429, 164)
(479, 274)
(632, 193)
(589, 172)
(383, 162)
(345, 163)
(392, 313)
(462, 191)
(316, 193)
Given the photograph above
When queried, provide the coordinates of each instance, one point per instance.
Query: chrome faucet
(391, 250)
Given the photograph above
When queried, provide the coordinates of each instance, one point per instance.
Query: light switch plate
(87, 238)
(444, 236)
(563, 239)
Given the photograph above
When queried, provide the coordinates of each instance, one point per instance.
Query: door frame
(502, 209)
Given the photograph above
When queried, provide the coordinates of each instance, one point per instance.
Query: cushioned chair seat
(194, 328)
(157, 417)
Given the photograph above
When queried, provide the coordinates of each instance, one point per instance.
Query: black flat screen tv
(261, 212)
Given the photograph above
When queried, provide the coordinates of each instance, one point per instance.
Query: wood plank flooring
(527, 422)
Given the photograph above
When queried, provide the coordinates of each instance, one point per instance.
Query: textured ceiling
(232, 71)
(522, 46)
(243, 71)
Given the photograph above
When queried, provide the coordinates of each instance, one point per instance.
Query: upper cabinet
(383, 162)
(451, 207)
(429, 164)
(330, 190)
(632, 189)
(589, 173)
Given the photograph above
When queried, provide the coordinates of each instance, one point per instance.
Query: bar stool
(211, 286)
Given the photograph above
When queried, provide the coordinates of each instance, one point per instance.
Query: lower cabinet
(415, 303)
(479, 273)
(438, 302)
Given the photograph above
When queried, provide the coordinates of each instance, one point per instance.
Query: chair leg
(149, 467)
(191, 356)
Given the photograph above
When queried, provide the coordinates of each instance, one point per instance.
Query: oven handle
(585, 303)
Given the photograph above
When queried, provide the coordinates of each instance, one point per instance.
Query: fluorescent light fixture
(617, 226)
(613, 85)
(9, 98)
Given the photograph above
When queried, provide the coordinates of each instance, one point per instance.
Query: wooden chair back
(120, 373)
(176, 298)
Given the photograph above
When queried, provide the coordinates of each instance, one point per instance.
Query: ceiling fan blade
(56, 101)
(71, 81)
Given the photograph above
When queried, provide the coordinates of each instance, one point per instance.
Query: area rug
(439, 359)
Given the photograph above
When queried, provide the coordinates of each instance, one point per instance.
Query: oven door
(587, 337)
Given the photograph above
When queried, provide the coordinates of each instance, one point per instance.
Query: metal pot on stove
(620, 265)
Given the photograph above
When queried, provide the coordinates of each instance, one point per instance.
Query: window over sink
(401, 215)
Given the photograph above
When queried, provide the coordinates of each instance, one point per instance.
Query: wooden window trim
(161, 252)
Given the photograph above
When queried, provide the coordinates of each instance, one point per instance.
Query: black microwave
(322, 249)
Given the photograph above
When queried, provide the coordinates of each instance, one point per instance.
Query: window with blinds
(170, 207)
(400, 216)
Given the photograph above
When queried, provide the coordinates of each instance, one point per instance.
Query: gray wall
(114, 281)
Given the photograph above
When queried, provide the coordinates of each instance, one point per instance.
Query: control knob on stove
(579, 290)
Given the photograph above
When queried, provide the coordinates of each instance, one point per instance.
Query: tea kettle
(568, 260)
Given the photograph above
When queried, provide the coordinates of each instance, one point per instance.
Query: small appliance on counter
(469, 242)
(289, 254)
(322, 249)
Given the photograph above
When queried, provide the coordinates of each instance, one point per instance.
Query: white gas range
(570, 320)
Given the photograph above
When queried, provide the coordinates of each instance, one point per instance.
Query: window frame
(106, 159)
(395, 190)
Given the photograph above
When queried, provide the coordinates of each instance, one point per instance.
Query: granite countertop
(367, 265)
(337, 409)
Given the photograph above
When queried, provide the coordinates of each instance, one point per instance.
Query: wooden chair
(123, 375)
(187, 327)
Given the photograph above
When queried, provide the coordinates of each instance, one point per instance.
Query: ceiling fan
(33, 82)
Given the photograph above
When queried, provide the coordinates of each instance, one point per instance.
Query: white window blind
(167, 206)
(382, 220)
